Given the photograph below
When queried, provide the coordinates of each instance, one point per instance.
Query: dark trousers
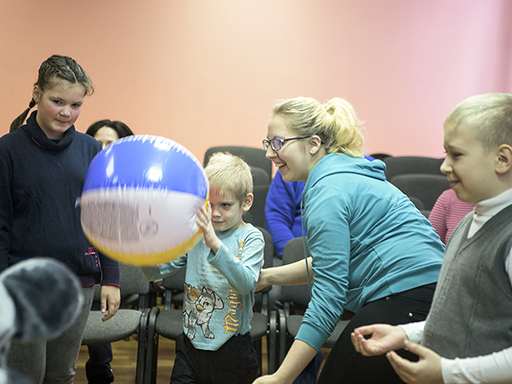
(345, 365)
(97, 368)
(235, 362)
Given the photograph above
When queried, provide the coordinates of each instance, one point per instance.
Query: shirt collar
(492, 206)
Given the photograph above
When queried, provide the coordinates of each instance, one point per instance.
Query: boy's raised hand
(204, 221)
(426, 371)
(384, 338)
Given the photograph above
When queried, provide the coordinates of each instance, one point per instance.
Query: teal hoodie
(367, 240)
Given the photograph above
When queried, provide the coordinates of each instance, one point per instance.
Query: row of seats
(419, 177)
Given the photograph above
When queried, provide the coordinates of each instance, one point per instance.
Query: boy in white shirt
(467, 336)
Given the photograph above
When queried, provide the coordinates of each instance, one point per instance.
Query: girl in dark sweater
(42, 169)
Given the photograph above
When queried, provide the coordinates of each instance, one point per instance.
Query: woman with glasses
(372, 252)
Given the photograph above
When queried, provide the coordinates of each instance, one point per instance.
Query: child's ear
(36, 94)
(503, 159)
(249, 199)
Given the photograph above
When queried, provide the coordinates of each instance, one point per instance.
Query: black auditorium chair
(425, 187)
(128, 319)
(399, 165)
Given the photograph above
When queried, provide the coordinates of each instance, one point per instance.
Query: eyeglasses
(277, 144)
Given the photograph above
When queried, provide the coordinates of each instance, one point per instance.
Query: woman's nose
(269, 153)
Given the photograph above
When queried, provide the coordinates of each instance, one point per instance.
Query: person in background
(43, 164)
(97, 368)
(222, 271)
(447, 212)
(283, 212)
(372, 252)
(107, 131)
(467, 335)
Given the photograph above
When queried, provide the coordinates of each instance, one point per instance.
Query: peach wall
(206, 72)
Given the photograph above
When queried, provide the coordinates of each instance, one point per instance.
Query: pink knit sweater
(447, 212)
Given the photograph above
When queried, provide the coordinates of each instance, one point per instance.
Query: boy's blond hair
(229, 173)
(490, 114)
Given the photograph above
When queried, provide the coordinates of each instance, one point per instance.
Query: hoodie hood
(336, 163)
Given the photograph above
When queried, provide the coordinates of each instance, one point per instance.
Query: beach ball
(140, 198)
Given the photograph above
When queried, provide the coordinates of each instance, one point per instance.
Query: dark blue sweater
(40, 182)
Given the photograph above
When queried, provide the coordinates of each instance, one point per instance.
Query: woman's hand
(262, 280)
(384, 338)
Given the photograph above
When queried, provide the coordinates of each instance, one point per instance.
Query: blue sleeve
(163, 270)
(326, 217)
(109, 270)
(242, 273)
(281, 211)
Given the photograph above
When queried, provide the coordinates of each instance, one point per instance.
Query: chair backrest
(256, 215)
(268, 252)
(132, 281)
(427, 188)
(174, 286)
(398, 165)
(298, 294)
(380, 155)
(176, 280)
(259, 176)
(255, 157)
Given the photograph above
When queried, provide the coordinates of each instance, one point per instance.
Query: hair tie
(329, 108)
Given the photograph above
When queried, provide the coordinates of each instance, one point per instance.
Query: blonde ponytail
(335, 122)
(345, 125)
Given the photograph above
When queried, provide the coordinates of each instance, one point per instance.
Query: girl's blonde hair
(335, 122)
(229, 173)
